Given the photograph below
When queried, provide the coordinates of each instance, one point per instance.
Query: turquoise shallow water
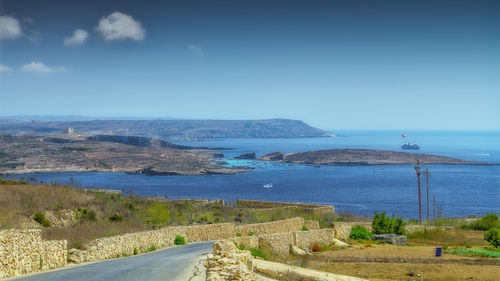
(461, 190)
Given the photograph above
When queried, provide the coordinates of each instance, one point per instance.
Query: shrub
(84, 214)
(397, 226)
(135, 251)
(383, 224)
(485, 223)
(238, 234)
(207, 217)
(152, 248)
(116, 218)
(40, 218)
(359, 232)
(250, 233)
(304, 228)
(179, 240)
(493, 236)
(257, 252)
(157, 215)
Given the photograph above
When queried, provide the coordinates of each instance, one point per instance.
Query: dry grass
(19, 201)
(441, 237)
(386, 262)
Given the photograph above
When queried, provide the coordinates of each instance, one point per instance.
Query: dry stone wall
(24, 251)
(304, 239)
(315, 209)
(110, 247)
(288, 225)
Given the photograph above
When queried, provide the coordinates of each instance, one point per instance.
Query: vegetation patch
(41, 219)
(476, 252)
(179, 240)
(484, 223)
(152, 248)
(493, 236)
(382, 224)
(358, 232)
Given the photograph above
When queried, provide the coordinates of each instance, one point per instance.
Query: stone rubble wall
(110, 247)
(287, 225)
(305, 239)
(343, 229)
(279, 244)
(311, 224)
(248, 241)
(315, 209)
(24, 251)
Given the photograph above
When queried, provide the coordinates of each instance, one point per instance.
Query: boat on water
(410, 146)
(267, 185)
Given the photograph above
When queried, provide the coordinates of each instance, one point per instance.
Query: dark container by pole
(438, 251)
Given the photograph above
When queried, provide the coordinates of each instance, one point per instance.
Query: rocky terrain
(24, 154)
(169, 129)
(370, 157)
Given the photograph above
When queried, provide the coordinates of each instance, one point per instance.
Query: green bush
(359, 232)
(152, 248)
(179, 240)
(382, 224)
(135, 251)
(304, 228)
(493, 236)
(157, 215)
(116, 218)
(257, 252)
(238, 234)
(250, 233)
(40, 218)
(84, 214)
(484, 223)
(207, 217)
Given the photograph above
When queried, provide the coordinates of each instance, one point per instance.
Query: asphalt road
(170, 264)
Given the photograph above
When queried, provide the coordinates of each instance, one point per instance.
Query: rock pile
(229, 263)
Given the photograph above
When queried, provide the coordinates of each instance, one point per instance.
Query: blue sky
(334, 64)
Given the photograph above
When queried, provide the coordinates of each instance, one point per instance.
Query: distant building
(69, 131)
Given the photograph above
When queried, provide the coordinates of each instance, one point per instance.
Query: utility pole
(417, 169)
(434, 206)
(427, 181)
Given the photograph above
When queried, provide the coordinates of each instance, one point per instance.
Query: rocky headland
(169, 129)
(358, 157)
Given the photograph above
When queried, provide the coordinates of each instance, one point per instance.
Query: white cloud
(118, 26)
(78, 38)
(10, 28)
(195, 50)
(4, 68)
(41, 67)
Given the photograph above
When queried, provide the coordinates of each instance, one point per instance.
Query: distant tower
(69, 131)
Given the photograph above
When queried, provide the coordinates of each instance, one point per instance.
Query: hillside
(78, 153)
(173, 129)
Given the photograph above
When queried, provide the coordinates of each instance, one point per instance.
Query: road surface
(170, 264)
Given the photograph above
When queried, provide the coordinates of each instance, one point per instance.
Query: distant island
(80, 153)
(359, 157)
(169, 129)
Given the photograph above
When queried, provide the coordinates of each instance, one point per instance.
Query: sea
(457, 190)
